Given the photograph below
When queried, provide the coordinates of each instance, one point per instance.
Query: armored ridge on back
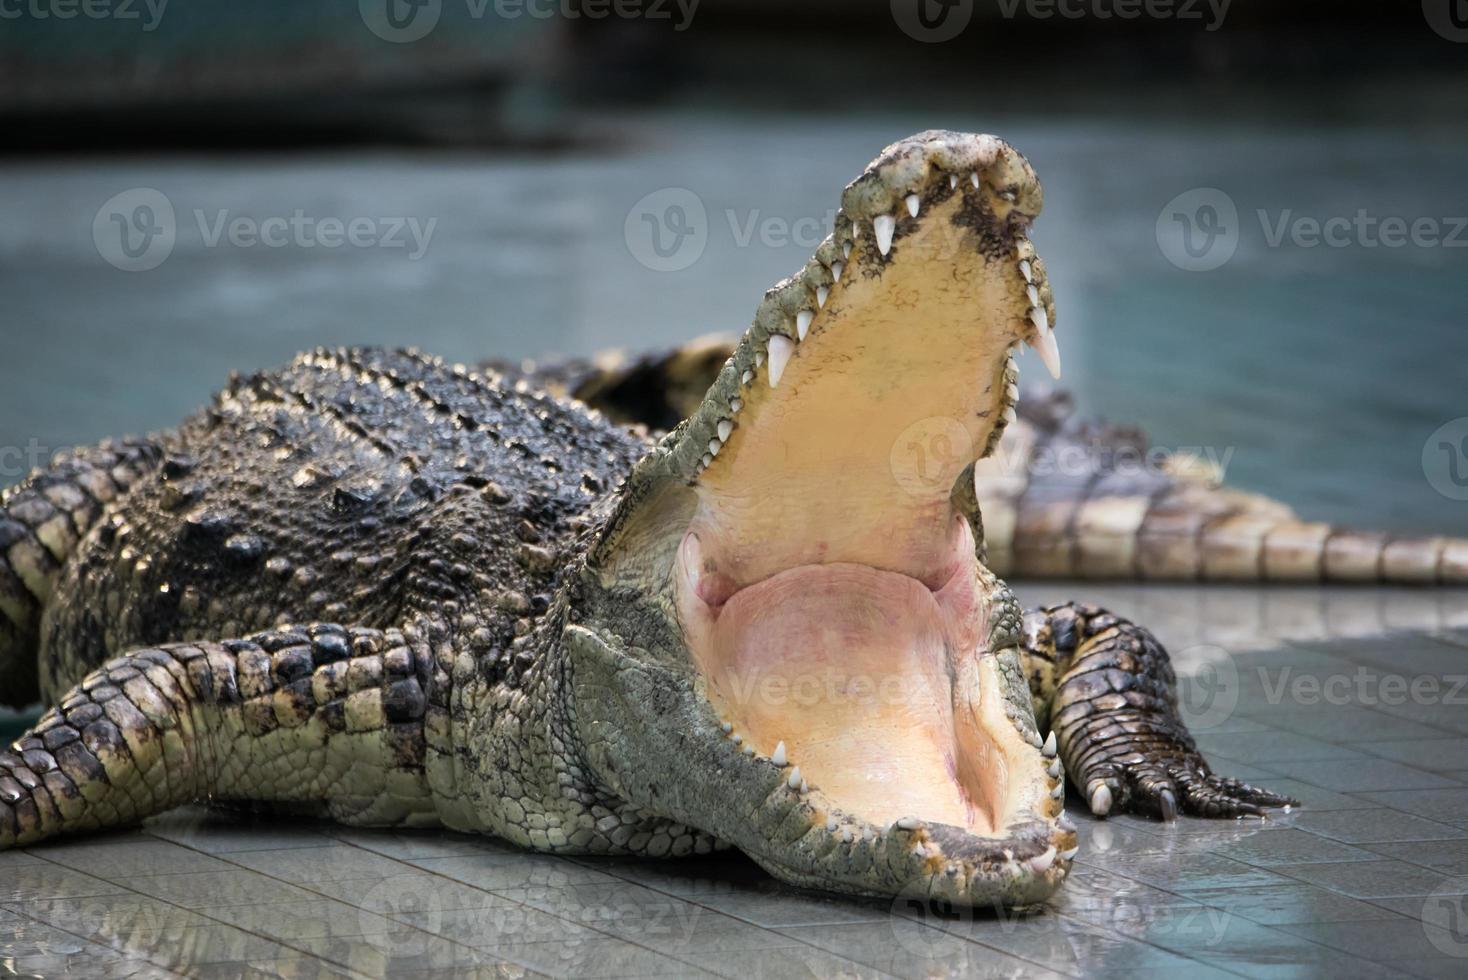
(374, 588)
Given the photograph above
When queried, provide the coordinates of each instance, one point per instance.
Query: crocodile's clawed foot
(1187, 786)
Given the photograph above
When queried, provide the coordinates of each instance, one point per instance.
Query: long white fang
(778, 756)
(725, 427)
(845, 254)
(913, 203)
(759, 358)
(1040, 318)
(707, 459)
(714, 447)
(1049, 351)
(1054, 769)
(1049, 746)
(974, 179)
(884, 225)
(821, 293)
(735, 404)
(802, 323)
(1057, 792)
(1024, 270)
(1034, 295)
(1069, 853)
(907, 823)
(1041, 863)
(836, 268)
(793, 780)
(781, 347)
(952, 181)
(747, 377)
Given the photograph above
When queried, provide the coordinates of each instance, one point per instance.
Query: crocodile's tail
(41, 522)
(1072, 500)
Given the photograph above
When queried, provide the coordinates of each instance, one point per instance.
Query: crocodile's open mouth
(828, 584)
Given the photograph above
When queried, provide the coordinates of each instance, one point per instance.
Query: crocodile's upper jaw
(815, 529)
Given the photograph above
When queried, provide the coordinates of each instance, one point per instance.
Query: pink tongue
(849, 667)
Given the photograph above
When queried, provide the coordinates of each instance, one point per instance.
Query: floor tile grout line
(122, 954)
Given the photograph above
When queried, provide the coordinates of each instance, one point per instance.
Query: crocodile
(375, 588)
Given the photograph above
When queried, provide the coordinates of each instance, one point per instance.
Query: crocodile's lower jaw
(872, 682)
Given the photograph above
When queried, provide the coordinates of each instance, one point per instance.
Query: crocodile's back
(343, 488)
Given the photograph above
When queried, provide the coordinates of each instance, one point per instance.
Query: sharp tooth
(778, 756)
(831, 824)
(707, 459)
(748, 749)
(802, 323)
(759, 358)
(727, 727)
(747, 377)
(725, 427)
(714, 447)
(1009, 415)
(804, 787)
(1069, 853)
(1065, 823)
(793, 780)
(780, 350)
(1034, 295)
(884, 225)
(1049, 747)
(821, 293)
(974, 179)
(1055, 769)
(912, 205)
(845, 254)
(1011, 392)
(738, 739)
(1101, 799)
(846, 835)
(1024, 270)
(1057, 792)
(1049, 352)
(952, 181)
(1041, 863)
(907, 823)
(735, 404)
(1040, 318)
(855, 230)
(836, 268)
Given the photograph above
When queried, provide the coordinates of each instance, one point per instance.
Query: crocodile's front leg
(1106, 689)
(324, 718)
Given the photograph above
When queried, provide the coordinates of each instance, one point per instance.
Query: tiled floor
(1369, 878)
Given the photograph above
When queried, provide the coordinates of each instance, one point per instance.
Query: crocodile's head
(786, 636)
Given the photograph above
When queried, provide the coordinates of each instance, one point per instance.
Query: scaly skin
(545, 612)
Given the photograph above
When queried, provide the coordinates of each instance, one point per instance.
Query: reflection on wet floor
(1282, 688)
